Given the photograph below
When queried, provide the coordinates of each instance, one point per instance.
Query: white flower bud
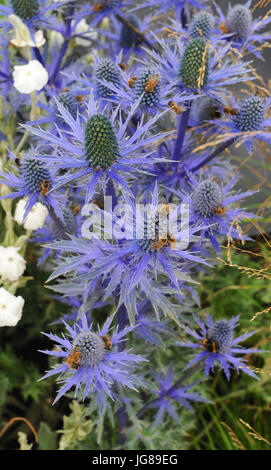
(35, 218)
(12, 264)
(11, 308)
(81, 28)
(30, 77)
(23, 36)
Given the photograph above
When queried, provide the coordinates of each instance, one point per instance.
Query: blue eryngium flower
(33, 180)
(91, 360)
(167, 394)
(106, 70)
(217, 346)
(97, 147)
(249, 124)
(245, 32)
(201, 26)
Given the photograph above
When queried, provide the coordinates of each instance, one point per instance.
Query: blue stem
(64, 47)
(110, 191)
(183, 120)
(121, 413)
(214, 154)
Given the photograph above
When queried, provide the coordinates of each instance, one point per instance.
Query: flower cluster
(118, 134)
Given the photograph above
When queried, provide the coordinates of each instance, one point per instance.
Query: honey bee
(75, 209)
(73, 359)
(260, 93)
(159, 244)
(220, 210)
(17, 162)
(44, 187)
(231, 111)
(123, 66)
(132, 82)
(99, 203)
(223, 28)
(175, 107)
(64, 90)
(107, 342)
(98, 7)
(152, 83)
(165, 207)
(79, 98)
(210, 345)
(215, 112)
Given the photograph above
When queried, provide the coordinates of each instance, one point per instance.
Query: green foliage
(76, 427)
(47, 438)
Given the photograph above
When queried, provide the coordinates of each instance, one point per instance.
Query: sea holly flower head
(215, 204)
(246, 33)
(239, 22)
(248, 123)
(251, 114)
(106, 70)
(32, 180)
(91, 362)
(97, 148)
(201, 26)
(168, 395)
(194, 68)
(216, 344)
(207, 198)
(25, 9)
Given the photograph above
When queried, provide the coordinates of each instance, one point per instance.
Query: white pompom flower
(35, 218)
(30, 77)
(11, 308)
(12, 264)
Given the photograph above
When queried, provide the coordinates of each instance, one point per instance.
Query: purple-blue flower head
(168, 394)
(33, 180)
(91, 362)
(97, 147)
(240, 28)
(216, 345)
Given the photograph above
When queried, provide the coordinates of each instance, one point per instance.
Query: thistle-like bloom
(91, 360)
(98, 150)
(248, 123)
(214, 204)
(193, 68)
(33, 181)
(245, 33)
(167, 394)
(217, 346)
(201, 26)
(130, 266)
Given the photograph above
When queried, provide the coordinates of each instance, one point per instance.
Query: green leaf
(47, 438)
